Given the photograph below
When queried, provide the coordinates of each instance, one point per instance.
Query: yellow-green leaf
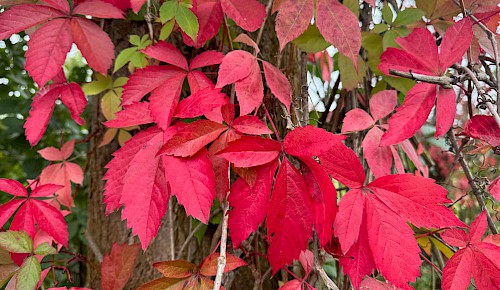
(124, 57)
(123, 136)
(311, 40)
(110, 104)
(187, 21)
(45, 249)
(16, 242)
(166, 29)
(408, 16)
(135, 40)
(348, 75)
(98, 86)
(168, 10)
(29, 274)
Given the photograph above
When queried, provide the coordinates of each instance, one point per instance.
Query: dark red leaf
(200, 102)
(248, 14)
(293, 19)
(250, 90)
(208, 266)
(251, 125)
(278, 84)
(484, 128)
(343, 165)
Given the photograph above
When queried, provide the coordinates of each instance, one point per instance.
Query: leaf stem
(272, 122)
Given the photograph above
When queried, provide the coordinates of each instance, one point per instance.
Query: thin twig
(221, 261)
(171, 230)
(444, 81)
(93, 246)
(261, 30)
(149, 17)
(475, 189)
(317, 266)
(193, 232)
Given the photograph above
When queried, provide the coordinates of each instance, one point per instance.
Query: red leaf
(411, 115)
(398, 59)
(206, 58)
(235, 66)
(8, 209)
(426, 52)
(200, 102)
(458, 270)
(24, 220)
(164, 99)
(209, 14)
(198, 81)
(251, 125)
(455, 237)
(248, 14)
(250, 203)
(293, 19)
(309, 141)
(117, 267)
(347, 225)
(175, 269)
(47, 51)
(416, 199)
(40, 113)
(45, 190)
(94, 43)
(494, 188)
(357, 120)
(278, 84)
(324, 198)
(358, 261)
(131, 115)
(383, 103)
(192, 181)
(251, 151)
(137, 4)
(306, 259)
(168, 53)
(486, 266)
(379, 158)
(74, 99)
(484, 128)
(392, 244)
(291, 204)
(13, 187)
(343, 165)
(455, 43)
(250, 90)
(50, 220)
(144, 176)
(445, 110)
(136, 171)
(209, 265)
(374, 284)
(24, 16)
(99, 9)
(59, 4)
(477, 228)
(145, 80)
(340, 27)
(191, 138)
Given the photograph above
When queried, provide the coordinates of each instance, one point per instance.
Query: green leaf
(45, 249)
(168, 10)
(372, 43)
(135, 40)
(110, 104)
(29, 274)
(401, 84)
(311, 40)
(187, 21)
(98, 86)
(120, 82)
(348, 75)
(389, 39)
(124, 57)
(352, 5)
(16, 242)
(387, 13)
(166, 29)
(5, 257)
(408, 16)
(379, 28)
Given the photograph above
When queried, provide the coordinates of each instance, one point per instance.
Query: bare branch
(221, 261)
(444, 81)
(319, 269)
(475, 189)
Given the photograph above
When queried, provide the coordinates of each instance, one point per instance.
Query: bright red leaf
(251, 151)
(476, 259)
(484, 128)
(235, 66)
(292, 205)
(278, 84)
(310, 141)
(249, 14)
(131, 115)
(250, 125)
